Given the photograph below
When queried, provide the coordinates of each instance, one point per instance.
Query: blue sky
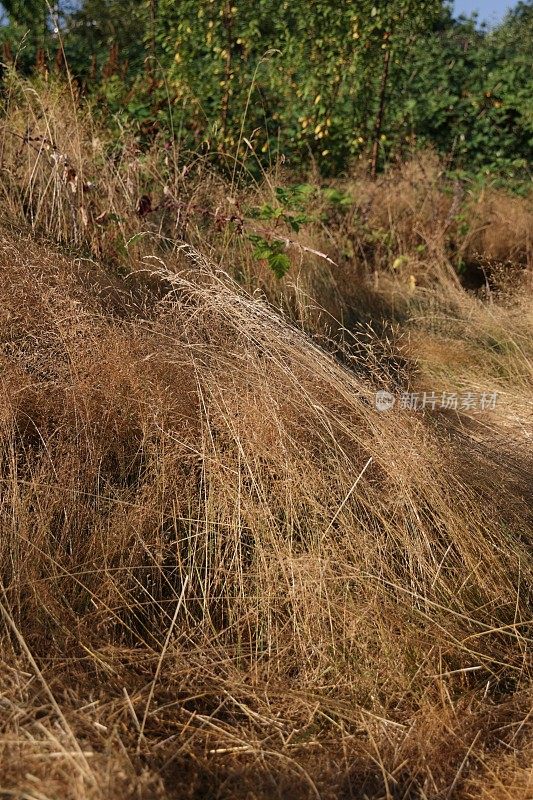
(492, 11)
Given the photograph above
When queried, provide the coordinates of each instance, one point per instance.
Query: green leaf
(263, 252)
(305, 190)
(337, 197)
(294, 223)
(279, 263)
(263, 249)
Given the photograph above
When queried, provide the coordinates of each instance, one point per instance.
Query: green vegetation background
(319, 83)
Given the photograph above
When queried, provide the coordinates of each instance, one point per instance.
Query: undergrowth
(224, 572)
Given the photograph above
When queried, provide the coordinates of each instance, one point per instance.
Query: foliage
(29, 26)
(299, 77)
(107, 37)
(319, 83)
(471, 94)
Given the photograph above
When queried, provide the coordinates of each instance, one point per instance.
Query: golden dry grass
(224, 573)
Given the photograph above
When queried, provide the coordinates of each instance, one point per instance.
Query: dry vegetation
(224, 574)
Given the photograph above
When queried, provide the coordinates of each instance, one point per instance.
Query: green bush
(321, 83)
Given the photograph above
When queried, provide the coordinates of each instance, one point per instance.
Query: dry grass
(223, 572)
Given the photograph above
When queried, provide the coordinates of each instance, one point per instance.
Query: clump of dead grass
(223, 572)
(222, 565)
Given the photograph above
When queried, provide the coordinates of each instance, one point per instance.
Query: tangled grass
(224, 573)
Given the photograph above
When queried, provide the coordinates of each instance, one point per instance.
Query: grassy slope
(224, 573)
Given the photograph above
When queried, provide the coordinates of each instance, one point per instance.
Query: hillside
(225, 573)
